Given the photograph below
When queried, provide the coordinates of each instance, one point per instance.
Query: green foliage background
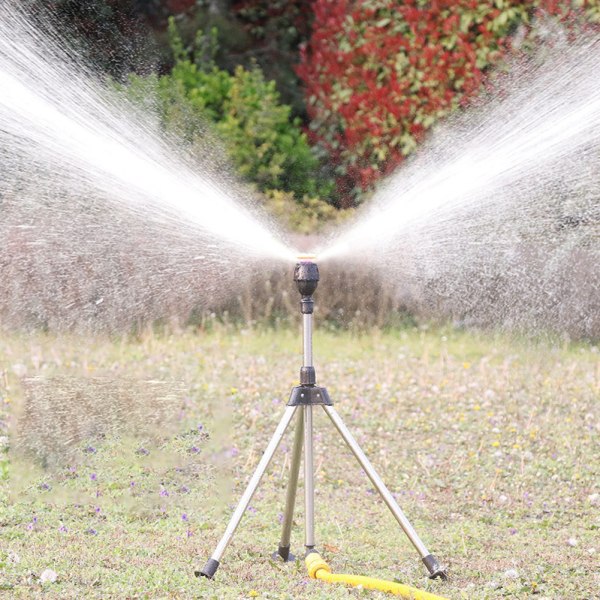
(243, 110)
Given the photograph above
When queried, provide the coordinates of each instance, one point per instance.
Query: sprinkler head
(306, 275)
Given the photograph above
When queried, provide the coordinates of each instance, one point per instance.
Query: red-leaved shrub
(379, 73)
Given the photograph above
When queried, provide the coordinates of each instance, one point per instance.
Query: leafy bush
(379, 73)
(266, 145)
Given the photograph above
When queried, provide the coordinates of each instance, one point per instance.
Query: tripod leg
(284, 545)
(428, 559)
(309, 482)
(213, 563)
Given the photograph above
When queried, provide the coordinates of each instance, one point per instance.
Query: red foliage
(179, 6)
(378, 73)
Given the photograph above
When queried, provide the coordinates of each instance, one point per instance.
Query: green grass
(491, 446)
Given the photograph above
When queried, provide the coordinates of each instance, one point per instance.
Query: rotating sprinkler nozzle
(306, 276)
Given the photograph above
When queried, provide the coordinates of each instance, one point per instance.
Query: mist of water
(103, 215)
(67, 139)
(502, 207)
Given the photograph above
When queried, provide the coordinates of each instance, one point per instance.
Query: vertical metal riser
(309, 481)
(307, 332)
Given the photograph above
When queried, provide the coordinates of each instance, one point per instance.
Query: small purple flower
(252, 510)
(189, 533)
(184, 489)
(280, 517)
(184, 517)
(194, 450)
(164, 492)
(91, 531)
(90, 450)
(63, 529)
(142, 451)
(45, 486)
(132, 484)
(512, 531)
(97, 510)
(93, 477)
(200, 427)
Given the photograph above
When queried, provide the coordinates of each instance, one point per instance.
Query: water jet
(91, 184)
(496, 220)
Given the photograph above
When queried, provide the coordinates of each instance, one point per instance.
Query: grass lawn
(141, 448)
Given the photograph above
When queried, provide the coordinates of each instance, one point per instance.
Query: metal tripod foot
(209, 569)
(434, 567)
(283, 554)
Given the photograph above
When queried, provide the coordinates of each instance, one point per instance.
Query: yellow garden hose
(319, 569)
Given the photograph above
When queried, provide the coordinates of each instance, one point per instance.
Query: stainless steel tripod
(302, 400)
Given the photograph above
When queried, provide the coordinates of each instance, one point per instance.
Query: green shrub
(264, 143)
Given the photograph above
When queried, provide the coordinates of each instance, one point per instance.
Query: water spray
(303, 399)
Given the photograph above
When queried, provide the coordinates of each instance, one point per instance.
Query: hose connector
(314, 564)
